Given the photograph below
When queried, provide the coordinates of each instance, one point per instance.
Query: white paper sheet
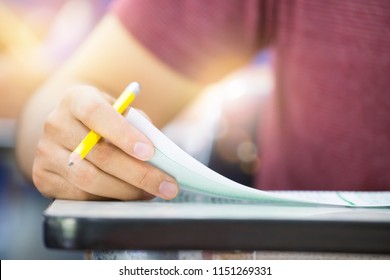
(200, 183)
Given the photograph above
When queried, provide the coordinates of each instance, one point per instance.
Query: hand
(114, 169)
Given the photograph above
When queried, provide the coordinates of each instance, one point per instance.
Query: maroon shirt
(328, 125)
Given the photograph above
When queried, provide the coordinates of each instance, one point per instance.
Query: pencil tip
(74, 159)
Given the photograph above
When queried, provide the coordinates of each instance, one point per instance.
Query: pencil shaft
(92, 137)
(87, 144)
(124, 101)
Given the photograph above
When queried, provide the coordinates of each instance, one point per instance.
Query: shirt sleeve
(192, 35)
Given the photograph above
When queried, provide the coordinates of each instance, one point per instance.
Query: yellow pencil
(120, 105)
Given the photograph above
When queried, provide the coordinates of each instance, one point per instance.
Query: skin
(17, 82)
(78, 98)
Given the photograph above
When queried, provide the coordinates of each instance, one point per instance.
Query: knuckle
(84, 102)
(85, 176)
(38, 177)
(148, 177)
(51, 123)
(93, 108)
(41, 149)
(90, 110)
(48, 191)
(144, 177)
(102, 153)
(72, 93)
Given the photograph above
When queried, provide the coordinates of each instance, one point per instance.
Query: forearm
(108, 65)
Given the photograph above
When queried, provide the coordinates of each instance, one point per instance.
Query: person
(326, 126)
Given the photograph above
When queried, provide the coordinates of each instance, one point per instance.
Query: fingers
(98, 115)
(140, 174)
(49, 182)
(113, 169)
(86, 182)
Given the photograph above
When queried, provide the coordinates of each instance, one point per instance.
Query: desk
(169, 230)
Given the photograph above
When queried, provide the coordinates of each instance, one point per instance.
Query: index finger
(90, 107)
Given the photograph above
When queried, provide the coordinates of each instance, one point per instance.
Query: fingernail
(168, 189)
(143, 151)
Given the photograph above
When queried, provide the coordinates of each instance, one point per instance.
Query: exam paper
(199, 183)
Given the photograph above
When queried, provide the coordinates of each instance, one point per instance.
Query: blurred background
(36, 37)
(220, 128)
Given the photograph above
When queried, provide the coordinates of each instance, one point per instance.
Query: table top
(152, 225)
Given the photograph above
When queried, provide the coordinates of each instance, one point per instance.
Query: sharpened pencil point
(74, 158)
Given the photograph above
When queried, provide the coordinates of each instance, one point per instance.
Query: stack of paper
(200, 183)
